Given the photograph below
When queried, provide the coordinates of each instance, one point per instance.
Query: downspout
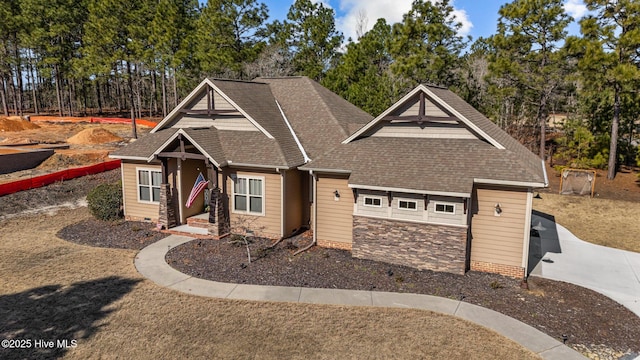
(527, 236)
(314, 216)
(546, 178)
(282, 201)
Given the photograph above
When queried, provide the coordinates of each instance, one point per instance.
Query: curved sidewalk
(150, 262)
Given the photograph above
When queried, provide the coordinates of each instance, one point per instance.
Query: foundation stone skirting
(506, 270)
(421, 246)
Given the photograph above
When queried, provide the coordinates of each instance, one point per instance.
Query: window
(372, 201)
(407, 205)
(248, 195)
(149, 185)
(445, 208)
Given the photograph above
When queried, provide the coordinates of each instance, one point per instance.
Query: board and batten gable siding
(269, 224)
(393, 212)
(412, 108)
(335, 216)
(499, 239)
(238, 123)
(134, 209)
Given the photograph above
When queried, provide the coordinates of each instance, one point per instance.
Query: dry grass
(51, 289)
(612, 223)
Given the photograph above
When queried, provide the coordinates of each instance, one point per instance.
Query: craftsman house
(430, 183)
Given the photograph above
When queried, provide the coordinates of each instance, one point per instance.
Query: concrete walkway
(151, 263)
(611, 272)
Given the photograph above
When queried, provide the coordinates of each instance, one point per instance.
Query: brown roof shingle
(320, 118)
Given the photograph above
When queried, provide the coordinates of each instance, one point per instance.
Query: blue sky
(479, 17)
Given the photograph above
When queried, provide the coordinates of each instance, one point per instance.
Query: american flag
(199, 185)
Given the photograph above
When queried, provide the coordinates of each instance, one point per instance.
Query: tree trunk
(58, 94)
(613, 147)
(71, 90)
(153, 107)
(32, 79)
(99, 96)
(118, 90)
(175, 89)
(134, 131)
(3, 95)
(20, 104)
(164, 92)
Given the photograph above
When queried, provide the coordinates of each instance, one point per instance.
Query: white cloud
(391, 11)
(575, 8)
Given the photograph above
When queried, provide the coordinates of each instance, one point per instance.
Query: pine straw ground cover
(51, 289)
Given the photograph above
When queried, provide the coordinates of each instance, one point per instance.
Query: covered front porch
(185, 167)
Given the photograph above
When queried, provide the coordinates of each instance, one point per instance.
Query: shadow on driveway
(56, 313)
(544, 238)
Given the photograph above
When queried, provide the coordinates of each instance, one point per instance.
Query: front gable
(422, 114)
(208, 106)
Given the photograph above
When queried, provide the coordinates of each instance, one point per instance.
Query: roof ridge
(237, 81)
(314, 85)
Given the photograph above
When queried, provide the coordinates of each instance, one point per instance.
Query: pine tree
(230, 34)
(312, 38)
(362, 74)
(609, 60)
(426, 46)
(526, 56)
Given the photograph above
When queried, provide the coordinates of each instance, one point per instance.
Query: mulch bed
(111, 234)
(588, 319)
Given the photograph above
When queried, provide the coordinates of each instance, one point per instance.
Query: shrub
(105, 202)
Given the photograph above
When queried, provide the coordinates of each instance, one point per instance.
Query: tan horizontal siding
(293, 208)
(235, 123)
(412, 130)
(220, 103)
(269, 224)
(133, 207)
(193, 121)
(335, 218)
(498, 239)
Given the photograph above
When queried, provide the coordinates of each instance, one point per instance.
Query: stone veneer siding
(421, 246)
(506, 270)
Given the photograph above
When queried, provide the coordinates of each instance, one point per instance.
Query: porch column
(166, 216)
(217, 223)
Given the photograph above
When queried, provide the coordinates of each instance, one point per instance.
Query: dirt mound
(16, 123)
(69, 158)
(94, 136)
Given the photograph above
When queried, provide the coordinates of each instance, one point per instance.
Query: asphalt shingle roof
(320, 118)
(145, 146)
(434, 164)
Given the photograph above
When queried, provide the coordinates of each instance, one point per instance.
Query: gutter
(544, 170)
(511, 183)
(337, 171)
(277, 167)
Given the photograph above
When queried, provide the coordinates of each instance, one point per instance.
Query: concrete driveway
(557, 254)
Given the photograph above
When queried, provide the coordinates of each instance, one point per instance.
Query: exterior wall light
(336, 194)
(498, 210)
